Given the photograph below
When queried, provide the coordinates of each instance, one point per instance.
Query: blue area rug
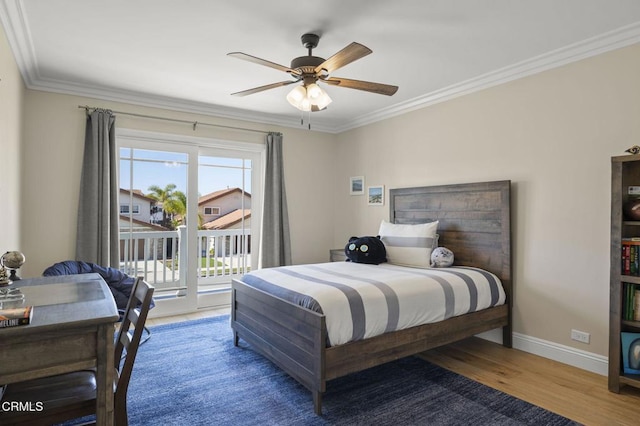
(190, 373)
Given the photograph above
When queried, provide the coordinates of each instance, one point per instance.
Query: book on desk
(11, 317)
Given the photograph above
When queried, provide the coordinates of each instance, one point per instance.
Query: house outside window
(212, 211)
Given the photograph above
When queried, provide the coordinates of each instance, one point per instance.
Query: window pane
(224, 209)
(216, 173)
(153, 188)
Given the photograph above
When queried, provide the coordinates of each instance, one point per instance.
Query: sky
(163, 168)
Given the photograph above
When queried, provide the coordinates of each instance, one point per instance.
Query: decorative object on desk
(375, 195)
(633, 150)
(4, 278)
(441, 257)
(632, 209)
(356, 185)
(13, 260)
(11, 298)
(12, 317)
(631, 352)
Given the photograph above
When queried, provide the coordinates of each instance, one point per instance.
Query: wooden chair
(72, 395)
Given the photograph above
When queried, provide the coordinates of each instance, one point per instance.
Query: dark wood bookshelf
(625, 172)
(631, 324)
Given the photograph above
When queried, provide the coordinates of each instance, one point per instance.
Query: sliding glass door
(190, 216)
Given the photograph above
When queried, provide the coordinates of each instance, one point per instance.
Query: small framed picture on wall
(356, 185)
(375, 195)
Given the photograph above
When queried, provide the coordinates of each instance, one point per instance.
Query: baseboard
(565, 354)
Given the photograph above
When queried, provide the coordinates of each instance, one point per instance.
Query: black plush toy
(366, 250)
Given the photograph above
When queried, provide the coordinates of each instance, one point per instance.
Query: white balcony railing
(156, 255)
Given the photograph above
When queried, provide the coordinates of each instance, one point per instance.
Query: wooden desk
(72, 329)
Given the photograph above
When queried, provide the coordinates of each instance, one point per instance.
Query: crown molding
(616, 39)
(172, 104)
(17, 31)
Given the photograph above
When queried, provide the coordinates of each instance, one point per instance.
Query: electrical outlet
(580, 336)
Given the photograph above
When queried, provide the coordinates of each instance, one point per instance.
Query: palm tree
(177, 208)
(173, 202)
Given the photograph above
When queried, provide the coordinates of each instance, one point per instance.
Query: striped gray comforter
(361, 301)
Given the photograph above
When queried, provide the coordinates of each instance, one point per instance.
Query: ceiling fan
(311, 69)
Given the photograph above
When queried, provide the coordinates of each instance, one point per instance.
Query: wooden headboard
(475, 221)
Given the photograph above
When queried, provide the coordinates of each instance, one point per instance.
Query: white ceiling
(171, 53)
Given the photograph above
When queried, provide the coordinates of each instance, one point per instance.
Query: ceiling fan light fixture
(324, 100)
(306, 97)
(305, 105)
(296, 96)
(314, 91)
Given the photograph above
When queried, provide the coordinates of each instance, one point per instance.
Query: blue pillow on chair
(119, 283)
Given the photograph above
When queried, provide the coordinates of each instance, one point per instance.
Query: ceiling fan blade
(263, 88)
(260, 61)
(367, 86)
(351, 53)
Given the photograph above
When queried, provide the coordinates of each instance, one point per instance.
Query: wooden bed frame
(474, 223)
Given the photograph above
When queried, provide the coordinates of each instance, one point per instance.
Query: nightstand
(337, 255)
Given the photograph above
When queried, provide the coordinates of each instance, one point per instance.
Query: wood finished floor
(571, 392)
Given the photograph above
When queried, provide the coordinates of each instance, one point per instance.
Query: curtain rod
(175, 120)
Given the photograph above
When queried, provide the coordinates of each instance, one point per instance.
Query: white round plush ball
(441, 257)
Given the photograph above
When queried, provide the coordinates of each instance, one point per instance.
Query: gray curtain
(98, 211)
(276, 242)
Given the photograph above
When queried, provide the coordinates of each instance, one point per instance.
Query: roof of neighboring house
(137, 222)
(137, 193)
(228, 220)
(218, 194)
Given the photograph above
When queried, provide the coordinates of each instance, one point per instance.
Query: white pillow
(409, 245)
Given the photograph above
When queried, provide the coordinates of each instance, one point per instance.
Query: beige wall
(53, 149)
(11, 104)
(552, 135)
